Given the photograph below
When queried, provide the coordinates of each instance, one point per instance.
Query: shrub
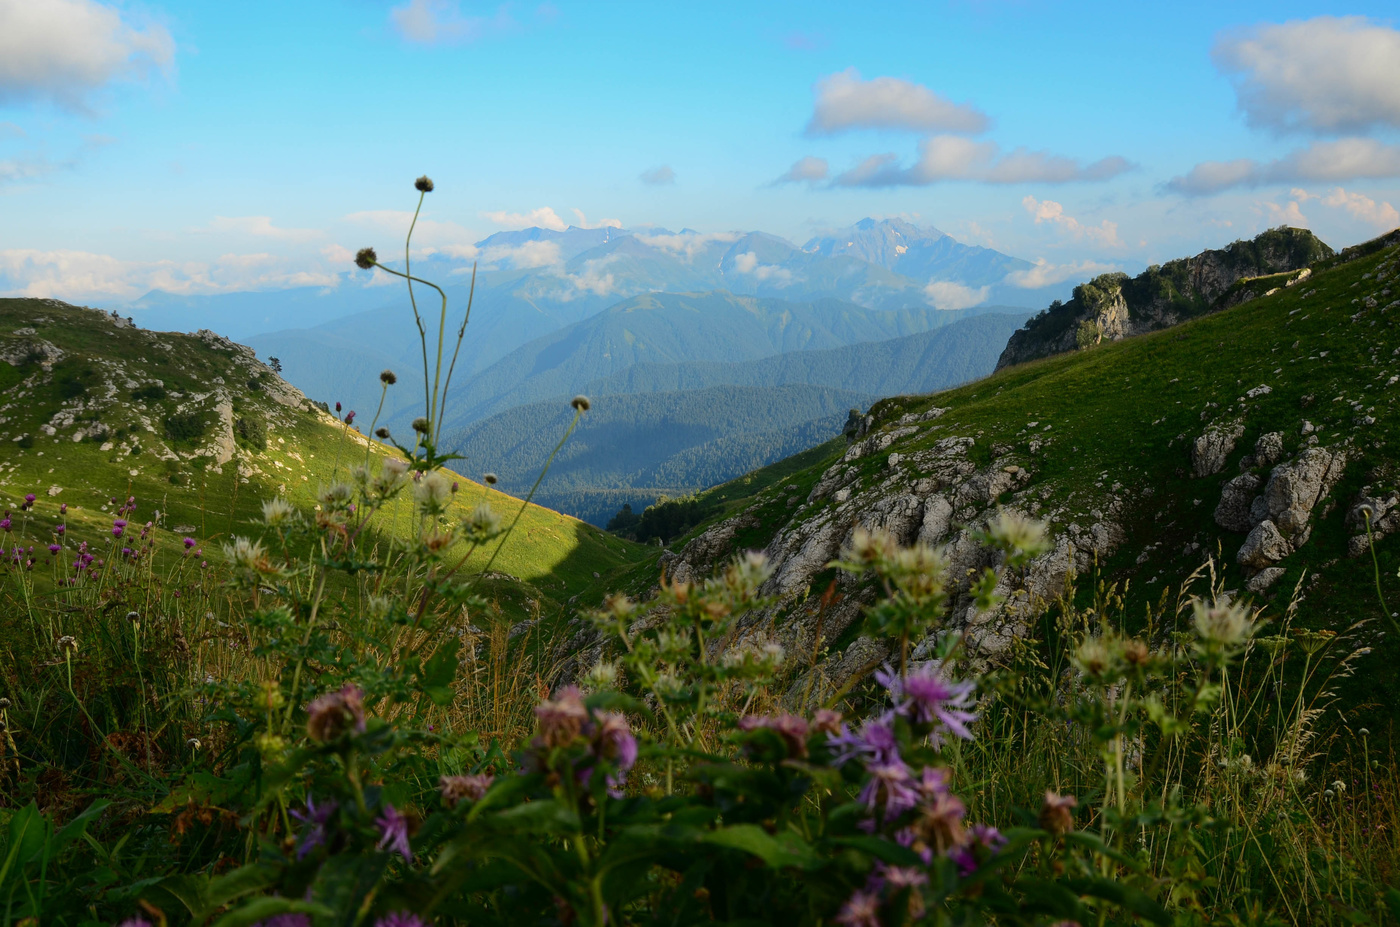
(251, 431)
(185, 427)
(149, 393)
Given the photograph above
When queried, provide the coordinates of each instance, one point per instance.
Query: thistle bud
(388, 378)
(420, 425)
(581, 404)
(382, 433)
(490, 479)
(365, 258)
(423, 184)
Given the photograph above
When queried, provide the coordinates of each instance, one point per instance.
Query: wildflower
(388, 377)
(334, 713)
(561, 720)
(581, 403)
(490, 479)
(248, 555)
(133, 616)
(433, 491)
(940, 822)
(63, 509)
(29, 500)
(862, 909)
(54, 548)
(117, 529)
(483, 521)
(1098, 657)
(983, 836)
(1016, 534)
(603, 675)
(931, 698)
(464, 788)
(274, 511)
(614, 739)
(1057, 812)
(401, 919)
(5, 523)
(381, 433)
(876, 740)
(315, 818)
(194, 743)
(792, 729)
(933, 781)
(189, 543)
(393, 832)
(827, 721)
(365, 258)
(68, 644)
(890, 786)
(349, 419)
(423, 184)
(61, 530)
(1223, 622)
(337, 495)
(420, 425)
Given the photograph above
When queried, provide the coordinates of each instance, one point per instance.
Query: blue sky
(202, 147)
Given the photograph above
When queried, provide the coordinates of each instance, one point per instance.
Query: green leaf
(24, 820)
(441, 667)
(1095, 843)
(1392, 900)
(784, 849)
(75, 828)
(264, 908)
(239, 882)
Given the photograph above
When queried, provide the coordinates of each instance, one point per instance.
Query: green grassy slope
(77, 373)
(1118, 420)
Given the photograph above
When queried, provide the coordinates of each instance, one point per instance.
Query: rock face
(1114, 306)
(1277, 519)
(930, 491)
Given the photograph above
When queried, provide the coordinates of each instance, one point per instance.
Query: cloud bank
(946, 158)
(1326, 161)
(64, 51)
(845, 102)
(441, 22)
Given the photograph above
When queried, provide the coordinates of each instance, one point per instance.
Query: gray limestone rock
(1298, 485)
(1233, 512)
(1214, 446)
(1264, 547)
(1264, 579)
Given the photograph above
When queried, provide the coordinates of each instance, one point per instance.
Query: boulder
(1264, 547)
(1295, 487)
(1233, 512)
(1210, 451)
(1264, 579)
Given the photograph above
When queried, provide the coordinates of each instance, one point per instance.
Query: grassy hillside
(201, 433)
(1316, 365)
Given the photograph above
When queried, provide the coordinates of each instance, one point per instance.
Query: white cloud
(600, 224)
(1327, 74)
(80, 275)
(62, 51)
(440, 22)
(845, 102)
(951, 158)
(1105, 233)
(747, 264)
(944, 294)
(1382, 215)
(1326, 161)
(688, 244)
(659, 176)
(395, 222)
(262, 227)
(544, 218)
(1045, 274)
(524, 255)
(1289, 214)
(804, 170)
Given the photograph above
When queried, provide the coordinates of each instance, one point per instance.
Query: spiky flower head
(561, 719)
(456, 789)
(382, 433)
(1057, 812)
(433, 491)
(483, 521)
(420, 425)
(423, 184)
(388, 377)
(334, 713)
(581, 403)
(68, 644)
(491, 479)
(1222, 622)
(276, 510)
(365, 258)
(1022, 538)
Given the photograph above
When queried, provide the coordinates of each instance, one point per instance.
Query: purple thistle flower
(5, 524)
(460, 788)
(931, 698)
(792, 729)
(28, 500)
(890, 785)
(332, 714)
(63, 509)
(615, 740)
(562, 719)
(54, 548)
(875, 742)
(116, 531)
(402, 919)
(189, 542)
(61, 529)
(315, 819)
(393, 832)
(119, 523)
(981, 836)
(861, 910)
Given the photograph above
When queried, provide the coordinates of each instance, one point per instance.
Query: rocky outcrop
(1277, 519)
(1373, 514)
(1114, 306)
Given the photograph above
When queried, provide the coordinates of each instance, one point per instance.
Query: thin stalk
(461, 333)
(422, 332)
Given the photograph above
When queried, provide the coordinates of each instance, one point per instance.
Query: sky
(201, 147)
